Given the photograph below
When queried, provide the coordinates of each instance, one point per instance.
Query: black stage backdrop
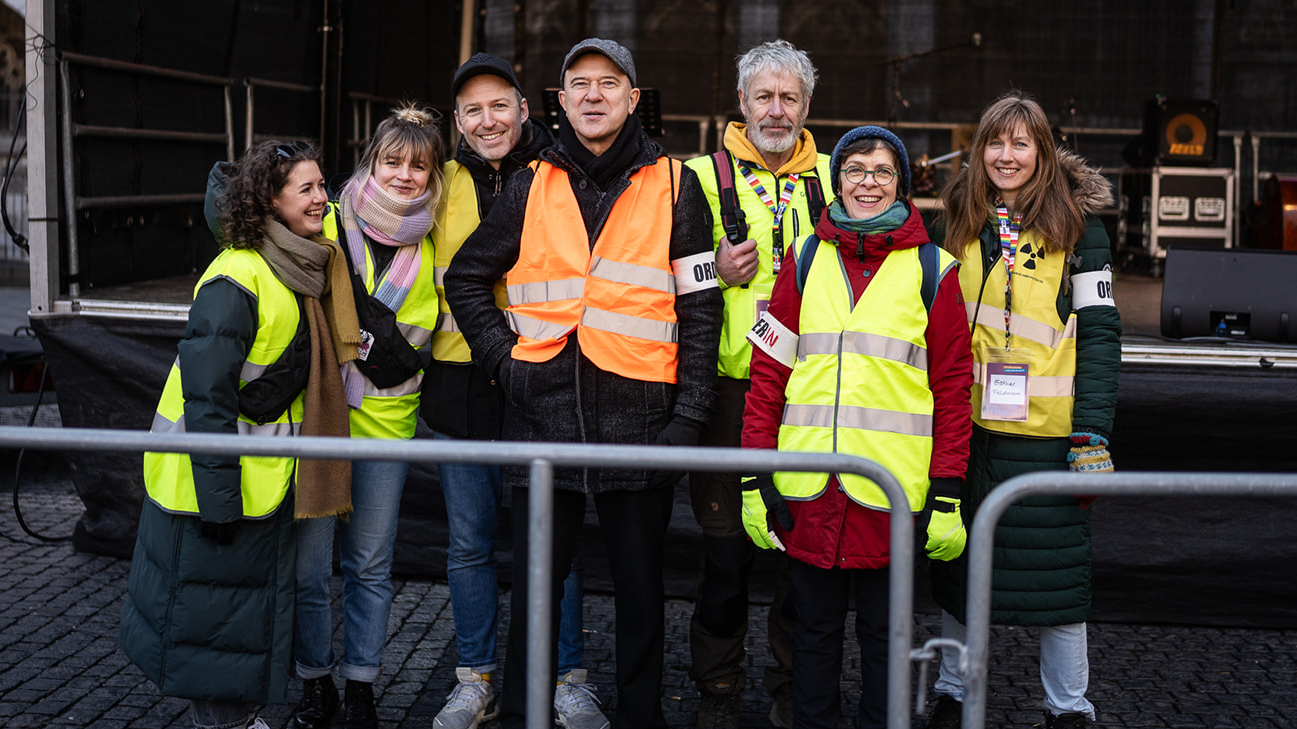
(1209, 561)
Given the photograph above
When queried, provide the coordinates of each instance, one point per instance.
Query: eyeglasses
(293, 150)
(883, 176)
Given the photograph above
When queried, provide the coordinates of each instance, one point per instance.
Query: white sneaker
(575, 706)
(258, 723)
(470, 703)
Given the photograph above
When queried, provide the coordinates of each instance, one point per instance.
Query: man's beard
(775, 143)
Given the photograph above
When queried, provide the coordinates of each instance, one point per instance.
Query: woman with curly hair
(1036, 272)
(383, 220)
(209, 614)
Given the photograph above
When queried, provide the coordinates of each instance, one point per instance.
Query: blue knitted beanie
(870, 132)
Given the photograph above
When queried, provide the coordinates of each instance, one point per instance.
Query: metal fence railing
(542, 458)
(981, 540)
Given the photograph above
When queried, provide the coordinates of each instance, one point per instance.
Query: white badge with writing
(366, 341)
(1004, 384)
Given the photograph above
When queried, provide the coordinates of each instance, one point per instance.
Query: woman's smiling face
(1010, 161)
(867, 198)
(300, 203)
(403, 177)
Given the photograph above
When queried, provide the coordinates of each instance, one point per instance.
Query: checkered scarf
(368, 211)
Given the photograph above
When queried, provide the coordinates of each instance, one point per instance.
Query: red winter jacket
(832, 530)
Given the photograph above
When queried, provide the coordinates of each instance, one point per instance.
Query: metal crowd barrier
(981, 540)
(542, 458)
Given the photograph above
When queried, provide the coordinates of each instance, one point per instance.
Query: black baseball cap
(479, 64)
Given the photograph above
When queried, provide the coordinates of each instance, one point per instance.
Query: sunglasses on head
(293, 150)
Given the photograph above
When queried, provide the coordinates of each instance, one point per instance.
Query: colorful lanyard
(776, 209)
(1008, 251)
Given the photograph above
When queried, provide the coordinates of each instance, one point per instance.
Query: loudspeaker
(1233, 294)
(1180, 131)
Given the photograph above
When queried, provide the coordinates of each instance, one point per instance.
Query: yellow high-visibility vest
(265, 480)
(860, 384)
(456, 221)
(1034, 325)
(391, 412)
(742, 302)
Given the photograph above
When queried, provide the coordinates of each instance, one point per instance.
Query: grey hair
(780, 55)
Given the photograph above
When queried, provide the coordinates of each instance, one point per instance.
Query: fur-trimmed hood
(1090, 190)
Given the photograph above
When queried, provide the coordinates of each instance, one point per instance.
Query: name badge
(366, 342)
(1004, 385)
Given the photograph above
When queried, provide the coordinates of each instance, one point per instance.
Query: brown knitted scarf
(323, 487)
(311, 268)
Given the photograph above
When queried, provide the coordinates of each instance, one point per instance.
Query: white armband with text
(1093, 288)
(772, 337)
(695, 273)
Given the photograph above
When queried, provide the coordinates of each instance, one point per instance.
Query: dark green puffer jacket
(207, 621)
(1041, 572)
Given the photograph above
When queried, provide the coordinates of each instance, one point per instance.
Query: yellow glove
(762, 505)
(946, 534)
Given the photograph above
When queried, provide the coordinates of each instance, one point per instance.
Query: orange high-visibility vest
(619, 297)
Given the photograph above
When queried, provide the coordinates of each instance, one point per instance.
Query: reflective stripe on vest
(860, 382)
(278, 429)
(741, 301)
(264, 481)
(620, 296)
(457, 218)
(1034, 326)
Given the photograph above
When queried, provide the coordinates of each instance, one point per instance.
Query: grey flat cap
(613, 50)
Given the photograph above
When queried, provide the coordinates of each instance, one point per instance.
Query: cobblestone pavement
(60, 666)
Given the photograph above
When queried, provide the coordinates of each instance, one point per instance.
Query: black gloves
(680, 431)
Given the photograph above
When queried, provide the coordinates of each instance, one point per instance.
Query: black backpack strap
(805, 256)
(814, 198)
(733, 219)
(929, 259)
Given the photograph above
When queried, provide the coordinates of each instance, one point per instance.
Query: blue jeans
(1064, 666)
(472, 492)
(367, 540)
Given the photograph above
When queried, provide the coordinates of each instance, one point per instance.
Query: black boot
(318, 705)
(360, 706)
(947, 714)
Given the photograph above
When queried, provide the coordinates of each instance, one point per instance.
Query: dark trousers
(820, 600)
(634, 526)
(720, 620)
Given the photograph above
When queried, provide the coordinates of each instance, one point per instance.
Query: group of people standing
(582, 286)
